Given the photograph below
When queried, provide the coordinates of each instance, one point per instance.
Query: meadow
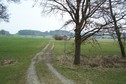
(15, 56)
(89, 49)
(82, 74)
(16, 53)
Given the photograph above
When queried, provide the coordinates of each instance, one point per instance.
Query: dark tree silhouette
(3, 10)
(116, 15)
(3, 13)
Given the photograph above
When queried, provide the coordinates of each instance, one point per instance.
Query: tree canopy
(4, 16)
(87, 16)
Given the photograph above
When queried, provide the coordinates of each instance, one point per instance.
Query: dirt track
(45, 56)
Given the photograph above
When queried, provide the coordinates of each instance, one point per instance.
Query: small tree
(58, 37)
(115, 13)
(114, 17)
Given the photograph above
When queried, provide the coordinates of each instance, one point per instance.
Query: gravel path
(45, 54)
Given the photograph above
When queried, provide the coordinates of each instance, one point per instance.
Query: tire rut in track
(45, 57)
(31, 75)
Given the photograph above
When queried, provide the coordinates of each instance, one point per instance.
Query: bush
(58, 37)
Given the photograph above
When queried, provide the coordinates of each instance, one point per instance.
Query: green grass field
(89, 75)
(20, 50)
(104, 48)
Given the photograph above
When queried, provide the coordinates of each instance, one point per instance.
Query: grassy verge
(86, 75)
(89, 75)
(20, 50)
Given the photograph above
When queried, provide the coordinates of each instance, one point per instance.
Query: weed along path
(41, 70)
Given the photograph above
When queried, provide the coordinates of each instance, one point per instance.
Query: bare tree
(115, 13)
(3, 13)
(14, 0)
(3, 10)
(81, 13)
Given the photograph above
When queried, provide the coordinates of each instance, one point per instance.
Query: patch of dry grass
(105, 62)
(93, 70)
(7, 62)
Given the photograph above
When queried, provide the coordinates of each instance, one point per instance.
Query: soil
(45, 56)
(7, 62)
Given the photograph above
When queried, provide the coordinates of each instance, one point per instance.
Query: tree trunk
(77, 47)
(117, 30)
(121, 47)
(120, 41)
(119, 38)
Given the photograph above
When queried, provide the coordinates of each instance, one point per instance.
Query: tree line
(3, 32)
(46, 33)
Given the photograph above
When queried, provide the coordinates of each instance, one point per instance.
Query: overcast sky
(24, 16)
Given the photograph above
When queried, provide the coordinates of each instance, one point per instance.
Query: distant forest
(46, 33)
(3, 32)
(57, 33)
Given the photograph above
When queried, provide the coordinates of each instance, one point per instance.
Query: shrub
(58, 37)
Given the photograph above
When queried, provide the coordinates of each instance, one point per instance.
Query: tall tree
(116, 16)
(114, 13)
(81, 13)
